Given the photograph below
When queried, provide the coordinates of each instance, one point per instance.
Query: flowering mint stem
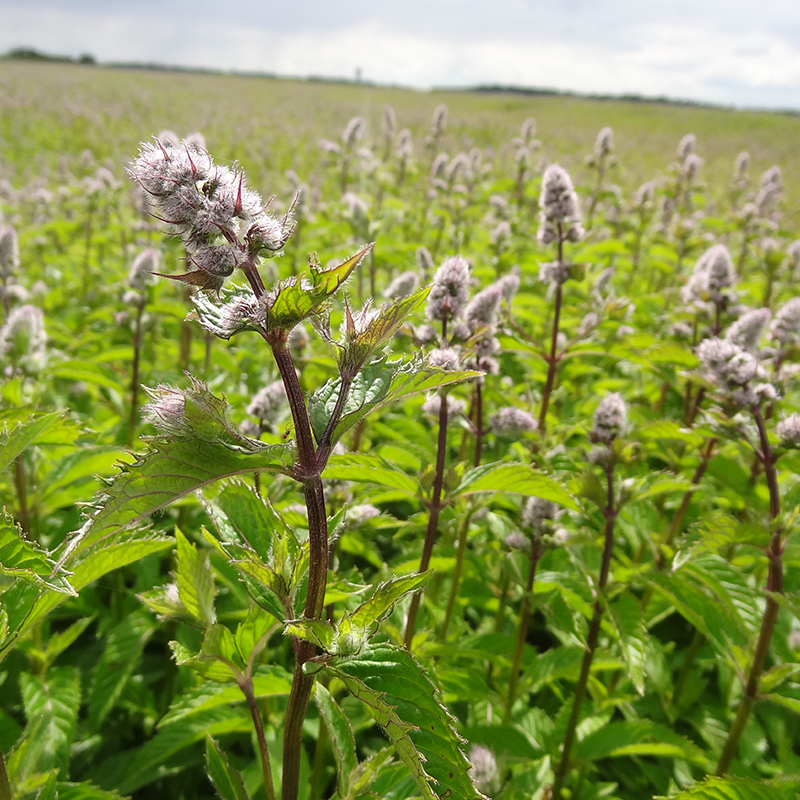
(774, 585)
(433, 519)
(457, 569)
(552, 359)
(478, 423)
(610, 513)
(5, 787)
(522, 633)
(21, 485)
(137, 356)
(317, 571)
(246, 685)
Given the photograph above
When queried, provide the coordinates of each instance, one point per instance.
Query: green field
(433, 476)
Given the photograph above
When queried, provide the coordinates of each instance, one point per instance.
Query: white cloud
(588, 47)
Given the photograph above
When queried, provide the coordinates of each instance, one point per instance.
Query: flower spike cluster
(222, 222)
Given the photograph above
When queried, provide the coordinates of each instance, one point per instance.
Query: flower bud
(450, 290)
(788, 431)
(611, 418)
(512, 421)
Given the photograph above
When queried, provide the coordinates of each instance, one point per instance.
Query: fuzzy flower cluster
(737, 374)
(9, 252)
(747, 331)
(220, 220)
(610, 419)
(713, 278)
(785, 328)
(560, 214)
(604, 143)
(788, 431)
(484, 772)
(450, 290)
(23, 340)
(456, 407)
(538, 523)
(267, 404)
(403, 285)
(511, 422)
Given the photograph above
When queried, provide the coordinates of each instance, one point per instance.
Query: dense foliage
(463, 466)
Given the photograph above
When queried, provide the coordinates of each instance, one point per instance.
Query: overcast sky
(735, 52)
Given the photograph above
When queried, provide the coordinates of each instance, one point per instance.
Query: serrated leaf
(206, 449)
(218, 659)
(370, 469)
(317, 631)
(517, 478)
(341, 735)
(123, 646)
(243, 517)
(669, 429)
(60, 641)
(734, 789)
(639, 737)
(358, 346)
(227, 781)
(84, 791)
(195, 580)
(398, 694)
(26, 433)
(296, 299)
(268, 681)
(51, 705)
(626, 617)
(23, 559)
(144, 767)
(378, 385)
(91, 567)
(384, 598)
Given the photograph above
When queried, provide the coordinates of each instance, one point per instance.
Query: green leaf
(84, 791)
(317, 631)
(370, 469)
(24, 434)
(203, 449)
(735, 789)
(123, 646)
(640, 737)
(218, 659)
(90, 567)
(296, 299)
(148, 760)
(195, 581)
(384, 598)
(22, 559)
(51, 706)
(397, 693)
(227, 781)
(518, 478)
(627, 621)
(378, 385)
(268, 681)
(243, 517)
(341, 735)
(360, 345)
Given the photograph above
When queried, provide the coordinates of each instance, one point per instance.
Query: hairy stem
(522, 634)
(774, 584)
(478, 423)
(246, 685)
(457, 569)
(317, 570)
(137, 357)
(21, 486)
(552, 360)
(433, 519)
(610, 513)
(5, 786)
